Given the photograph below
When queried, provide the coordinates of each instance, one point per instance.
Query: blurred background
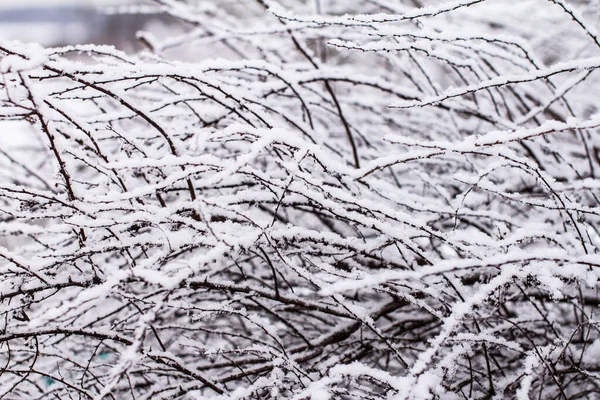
(68, 22)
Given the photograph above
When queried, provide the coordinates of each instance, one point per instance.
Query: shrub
(364, 199)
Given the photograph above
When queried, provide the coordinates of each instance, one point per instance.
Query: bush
(364, 199)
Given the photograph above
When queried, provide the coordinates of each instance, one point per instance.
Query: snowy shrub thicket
(341, 199)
